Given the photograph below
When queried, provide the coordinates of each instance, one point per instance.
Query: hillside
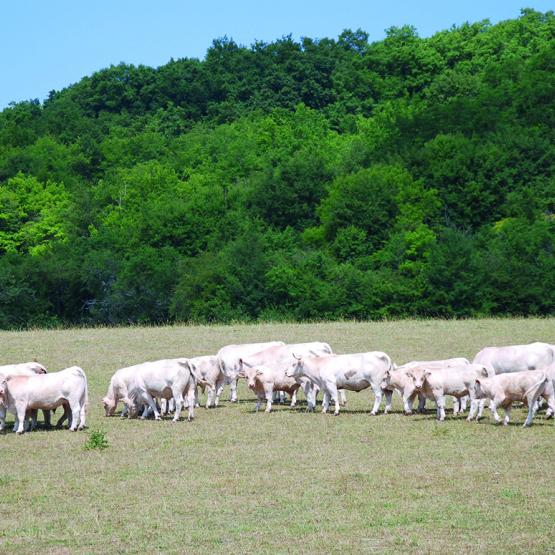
(320, 179)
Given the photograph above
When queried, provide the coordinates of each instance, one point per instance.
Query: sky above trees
(49, 45)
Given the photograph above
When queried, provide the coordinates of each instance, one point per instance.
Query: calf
(271, 364)
(399, 380)
(228, 359)
(210, 375)
(353, 372)
(118, 390)
(504, 389)
(19, 394)
(457, 381)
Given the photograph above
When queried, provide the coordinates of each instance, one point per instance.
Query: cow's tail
(197, 377)
(537, 388)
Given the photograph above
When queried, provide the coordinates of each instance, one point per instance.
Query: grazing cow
(208, 370)
(517, 358)
(19, 394)
(457, 381)
(397, 379)
(166, 379)
(265, 372)
(228, 359)
(353, 372)
(118, 390)
(503, 389)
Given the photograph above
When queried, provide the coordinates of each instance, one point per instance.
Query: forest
(311, 179)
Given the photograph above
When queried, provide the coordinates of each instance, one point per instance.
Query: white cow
(517, 358)
(167, 379)
(19, 394)
(397, 379)
(208, 370)
(228, 359)
(504, 389)
(22, 369)
(457, 381)
(265, 372)
(353, 372)
(118, 390)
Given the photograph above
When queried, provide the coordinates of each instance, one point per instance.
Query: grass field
(244, 482)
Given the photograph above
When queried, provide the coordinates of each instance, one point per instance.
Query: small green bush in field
(96, 440)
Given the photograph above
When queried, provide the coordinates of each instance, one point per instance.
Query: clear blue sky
(49, 44)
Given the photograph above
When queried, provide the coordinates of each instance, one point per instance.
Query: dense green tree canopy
(312, 179)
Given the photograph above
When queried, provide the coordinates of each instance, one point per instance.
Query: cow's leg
(408, 399)
(46, 414)
(325, 401)
(151, 404)
(377, 399)
(331, 388)
(493, 406)
(20, 413)
(310, 395)
(463, 402)
(532, 408)
(456, 406)
(259, 399)
(473, 408)
(481, 405)
(75, 408)
(177, 393)
(550, 406)
(508, 408)
(342, 398)
(191, 409)
(2, 418)
(269, 394)
(294, 399)
(388, 400)
(219, 388)
(210, 396)
(440, 404)
(33, 414)
(421, 402)
(233, 387)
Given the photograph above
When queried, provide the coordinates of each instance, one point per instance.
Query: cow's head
(109, 406)
(418, 377)
(479, 390)
(386, 380)
(296, 368)
(38, 368)
(252, 375)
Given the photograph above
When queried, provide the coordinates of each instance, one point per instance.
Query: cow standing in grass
(517, 358)
(20, 394)
(265, 372)
(525, 386)
(353, 372)
(228, 359)
(166, 379)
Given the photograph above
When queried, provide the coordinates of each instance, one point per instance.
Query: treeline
(317, 179)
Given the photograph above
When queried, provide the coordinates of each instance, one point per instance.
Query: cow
(228, 359)
(22, 369)
(457, 381)
(19, 394)
(28, 369)
(503, 389)
(517, 358)
(118, 390)
(397, 379)
(353, 372)
(265, 372)
(210, 375)
(171, 378)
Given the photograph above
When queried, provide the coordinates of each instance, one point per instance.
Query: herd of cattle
(502, 375)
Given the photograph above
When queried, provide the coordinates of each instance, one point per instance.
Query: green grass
(237, 481)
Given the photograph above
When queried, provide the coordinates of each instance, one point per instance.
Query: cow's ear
(259, 372)
(427, 373)
(478, 382)
(410, 375)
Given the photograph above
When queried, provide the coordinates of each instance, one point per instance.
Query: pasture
(239, 481)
